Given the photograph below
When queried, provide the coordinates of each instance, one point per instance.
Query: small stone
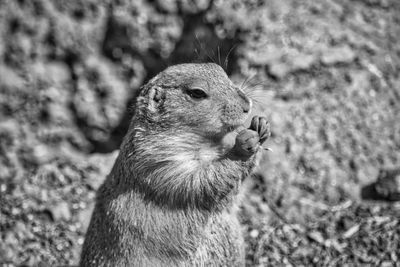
(10, 238)
(335, 55)
(264, 208)
(351, 231)
(81, 240)
(302, 62)
(279, 70)
(3, 188)
(168, 5)
(22, 232)
(95, 181)
(60, 211)
(316, 236)
(388, 184)
(103, 165)
(84, 217)
(42, 154)
(254, 233)
(386, 264)
(9, 78)
(7, 252)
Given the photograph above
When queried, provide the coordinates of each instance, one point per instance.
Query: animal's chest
(222, 244)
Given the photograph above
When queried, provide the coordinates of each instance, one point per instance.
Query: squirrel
(171, 196)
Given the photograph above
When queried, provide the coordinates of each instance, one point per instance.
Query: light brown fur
(170, 197)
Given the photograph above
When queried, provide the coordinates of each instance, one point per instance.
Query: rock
(316, 236)
(170, 6)
(42, 154)
(193, 7)
(337, 55)
(7, 252)
(279, 70)
(135, 27)
(11, 238)
(100, 99)
(51, 72)
(79, 34)
(388, 184)
(103, 164)
(386, 187)
(60, 211)
(302, 62)
(254, 233)
(9, 78)
(95, 181)
(22, 231)
(84, 217)
(290, 63)
(351, 231)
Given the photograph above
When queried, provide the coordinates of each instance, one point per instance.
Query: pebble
(254, 233)
(60, 211)
(84, 217)
(335, 55)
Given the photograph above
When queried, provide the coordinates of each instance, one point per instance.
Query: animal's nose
(247, 106)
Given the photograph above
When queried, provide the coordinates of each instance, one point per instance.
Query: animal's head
(194, 97)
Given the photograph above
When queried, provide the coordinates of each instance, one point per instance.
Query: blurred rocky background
(326, 74)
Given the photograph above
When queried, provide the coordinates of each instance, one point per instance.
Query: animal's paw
(247, 143)
(262, 127)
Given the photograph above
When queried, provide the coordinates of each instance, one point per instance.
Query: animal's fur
(170, 197)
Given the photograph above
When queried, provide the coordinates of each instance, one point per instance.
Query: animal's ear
(149, 100)
(156, 97)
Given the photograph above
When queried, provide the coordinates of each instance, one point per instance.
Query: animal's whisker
(227, 56)
(204, 49)
(255, 92)
(258, 93)
(244, 86)
(257, 85)
(219, 56)
(256, 101)
(252, 86)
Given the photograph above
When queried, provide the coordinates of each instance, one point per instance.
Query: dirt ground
(326, 74)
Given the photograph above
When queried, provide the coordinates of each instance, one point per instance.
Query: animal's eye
(197, 93)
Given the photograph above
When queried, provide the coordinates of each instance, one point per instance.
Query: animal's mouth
(235, 128)
(234, 122)
(238, 123)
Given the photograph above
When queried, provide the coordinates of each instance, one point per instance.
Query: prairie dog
(170, 197)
